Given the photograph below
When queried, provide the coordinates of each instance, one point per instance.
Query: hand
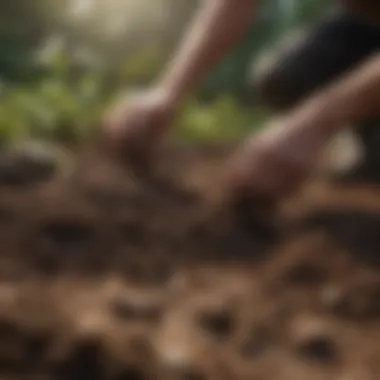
(274, 162)
(138, 124)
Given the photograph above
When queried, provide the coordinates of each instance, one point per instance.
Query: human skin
(275, 160)
(352, 98)
(217, 29)
(140, 122)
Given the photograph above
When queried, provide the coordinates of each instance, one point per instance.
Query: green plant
(223, 119)
(66, 104)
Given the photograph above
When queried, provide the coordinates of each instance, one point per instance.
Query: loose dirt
(109, 273)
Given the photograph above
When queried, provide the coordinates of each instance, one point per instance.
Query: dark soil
(110, 273)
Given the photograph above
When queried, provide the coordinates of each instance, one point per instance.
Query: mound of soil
(107, 272)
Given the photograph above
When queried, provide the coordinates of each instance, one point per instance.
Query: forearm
(217, 28)
(352, 99)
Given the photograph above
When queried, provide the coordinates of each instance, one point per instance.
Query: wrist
(176, 88)
(321, 114)
(168, 95)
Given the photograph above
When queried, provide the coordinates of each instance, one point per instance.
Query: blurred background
(62, 61)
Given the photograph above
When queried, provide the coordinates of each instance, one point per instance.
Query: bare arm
(351, 99)
(279, 158)
(217, 28)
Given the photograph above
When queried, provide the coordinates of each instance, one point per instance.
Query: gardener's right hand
(274, 162)
(138, 124)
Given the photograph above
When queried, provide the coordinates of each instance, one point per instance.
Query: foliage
(68, 105)
(23, 27)
(62, 97)
(222, 119)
